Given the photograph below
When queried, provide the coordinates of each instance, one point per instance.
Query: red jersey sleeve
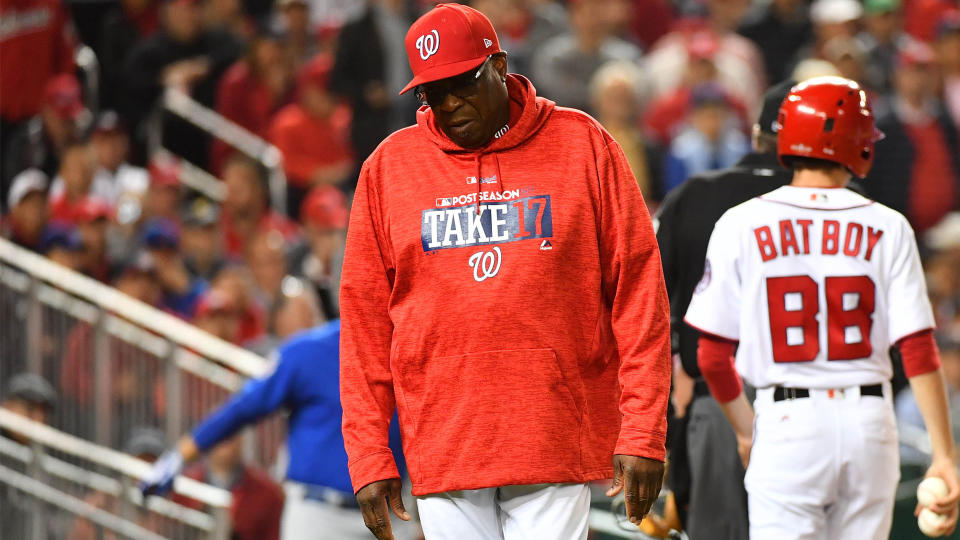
(919, 353)
(366, 383)
(633, 285)
(715, 360)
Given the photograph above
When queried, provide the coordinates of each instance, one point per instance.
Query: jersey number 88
(850, 304)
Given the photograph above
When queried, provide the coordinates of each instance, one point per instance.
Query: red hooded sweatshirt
(503, 340)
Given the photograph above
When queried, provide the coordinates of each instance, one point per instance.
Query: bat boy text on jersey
(792, 237)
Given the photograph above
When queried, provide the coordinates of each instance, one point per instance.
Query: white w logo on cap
(428, 44)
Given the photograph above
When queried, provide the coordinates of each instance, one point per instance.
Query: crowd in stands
(92, 170)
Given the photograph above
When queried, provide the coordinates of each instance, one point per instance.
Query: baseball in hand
(930, 490)
(930, 522)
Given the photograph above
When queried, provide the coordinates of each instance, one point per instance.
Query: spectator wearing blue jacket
(320, 502)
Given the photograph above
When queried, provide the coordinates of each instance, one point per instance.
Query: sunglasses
(463, 86)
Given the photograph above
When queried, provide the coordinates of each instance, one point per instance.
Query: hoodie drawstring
(498, 176)
(479, 183)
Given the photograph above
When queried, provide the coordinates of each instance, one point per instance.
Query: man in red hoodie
(501, 289)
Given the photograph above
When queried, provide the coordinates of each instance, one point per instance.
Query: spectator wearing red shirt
(312, 136)
(257, 500)
(40, 141)
(319, 259)
(252, 90)
(92, 217)
(163, 195)
(235, 280)
(73, 183)
(36, 43)
(917, 166)
(665, 116)
(218, 313)
(921, 16)
(245, 208)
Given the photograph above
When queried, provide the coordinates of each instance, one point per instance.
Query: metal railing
(179, 103)
(118, 364)
(47, 495)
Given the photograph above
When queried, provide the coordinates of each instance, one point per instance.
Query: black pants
(718, 499)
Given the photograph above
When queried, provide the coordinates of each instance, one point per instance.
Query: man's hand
(374, 499)
(945, 469)
(744, 446)
(159, 480)
(639, 478)
(682, 394)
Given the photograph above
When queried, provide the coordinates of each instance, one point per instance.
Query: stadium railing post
(221, 530)
(34, 328)
(102, 383)
(38, 525)
(174, 393)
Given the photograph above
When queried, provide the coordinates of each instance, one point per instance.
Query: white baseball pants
(308, 519)
(542, 511)
(824, 467)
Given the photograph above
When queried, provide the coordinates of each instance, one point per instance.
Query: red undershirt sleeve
(919, 352)
(715, 359)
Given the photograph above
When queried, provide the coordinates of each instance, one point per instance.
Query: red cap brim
(437, 73)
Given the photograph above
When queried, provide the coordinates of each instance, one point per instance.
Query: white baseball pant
(310, 519)
(825, 467)
(542, 511)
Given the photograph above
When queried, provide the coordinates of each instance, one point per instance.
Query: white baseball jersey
(815, 284)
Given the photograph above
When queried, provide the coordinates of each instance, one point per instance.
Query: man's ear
(500, 64)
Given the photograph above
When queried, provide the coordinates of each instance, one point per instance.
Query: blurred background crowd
(99, 176)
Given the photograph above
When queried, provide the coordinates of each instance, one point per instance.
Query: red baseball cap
(448, 40)
(916, 53)
(91, 209)
(214, 301)
(62, 94)
(326, 208)
(164, 171)
(316, 72)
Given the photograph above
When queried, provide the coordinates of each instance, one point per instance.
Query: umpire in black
(715, 493)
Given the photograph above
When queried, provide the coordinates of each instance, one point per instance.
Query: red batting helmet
(828, 118)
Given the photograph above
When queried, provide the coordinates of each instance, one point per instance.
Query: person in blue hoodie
(320, 503)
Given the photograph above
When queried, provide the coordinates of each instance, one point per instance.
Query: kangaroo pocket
(481, 417)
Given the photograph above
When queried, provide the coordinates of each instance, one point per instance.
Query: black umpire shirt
(684, 223)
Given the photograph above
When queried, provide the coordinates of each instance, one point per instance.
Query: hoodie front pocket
(494, 411)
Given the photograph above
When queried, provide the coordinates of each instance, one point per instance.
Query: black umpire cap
(772, 99)
(32, 388)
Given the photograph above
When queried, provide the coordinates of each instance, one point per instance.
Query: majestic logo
(483, 180)
(497, 222)
(546, 245)
(428, 44)
(485, 264)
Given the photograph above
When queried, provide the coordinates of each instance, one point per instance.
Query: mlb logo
(471, 179)
(444, 201)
